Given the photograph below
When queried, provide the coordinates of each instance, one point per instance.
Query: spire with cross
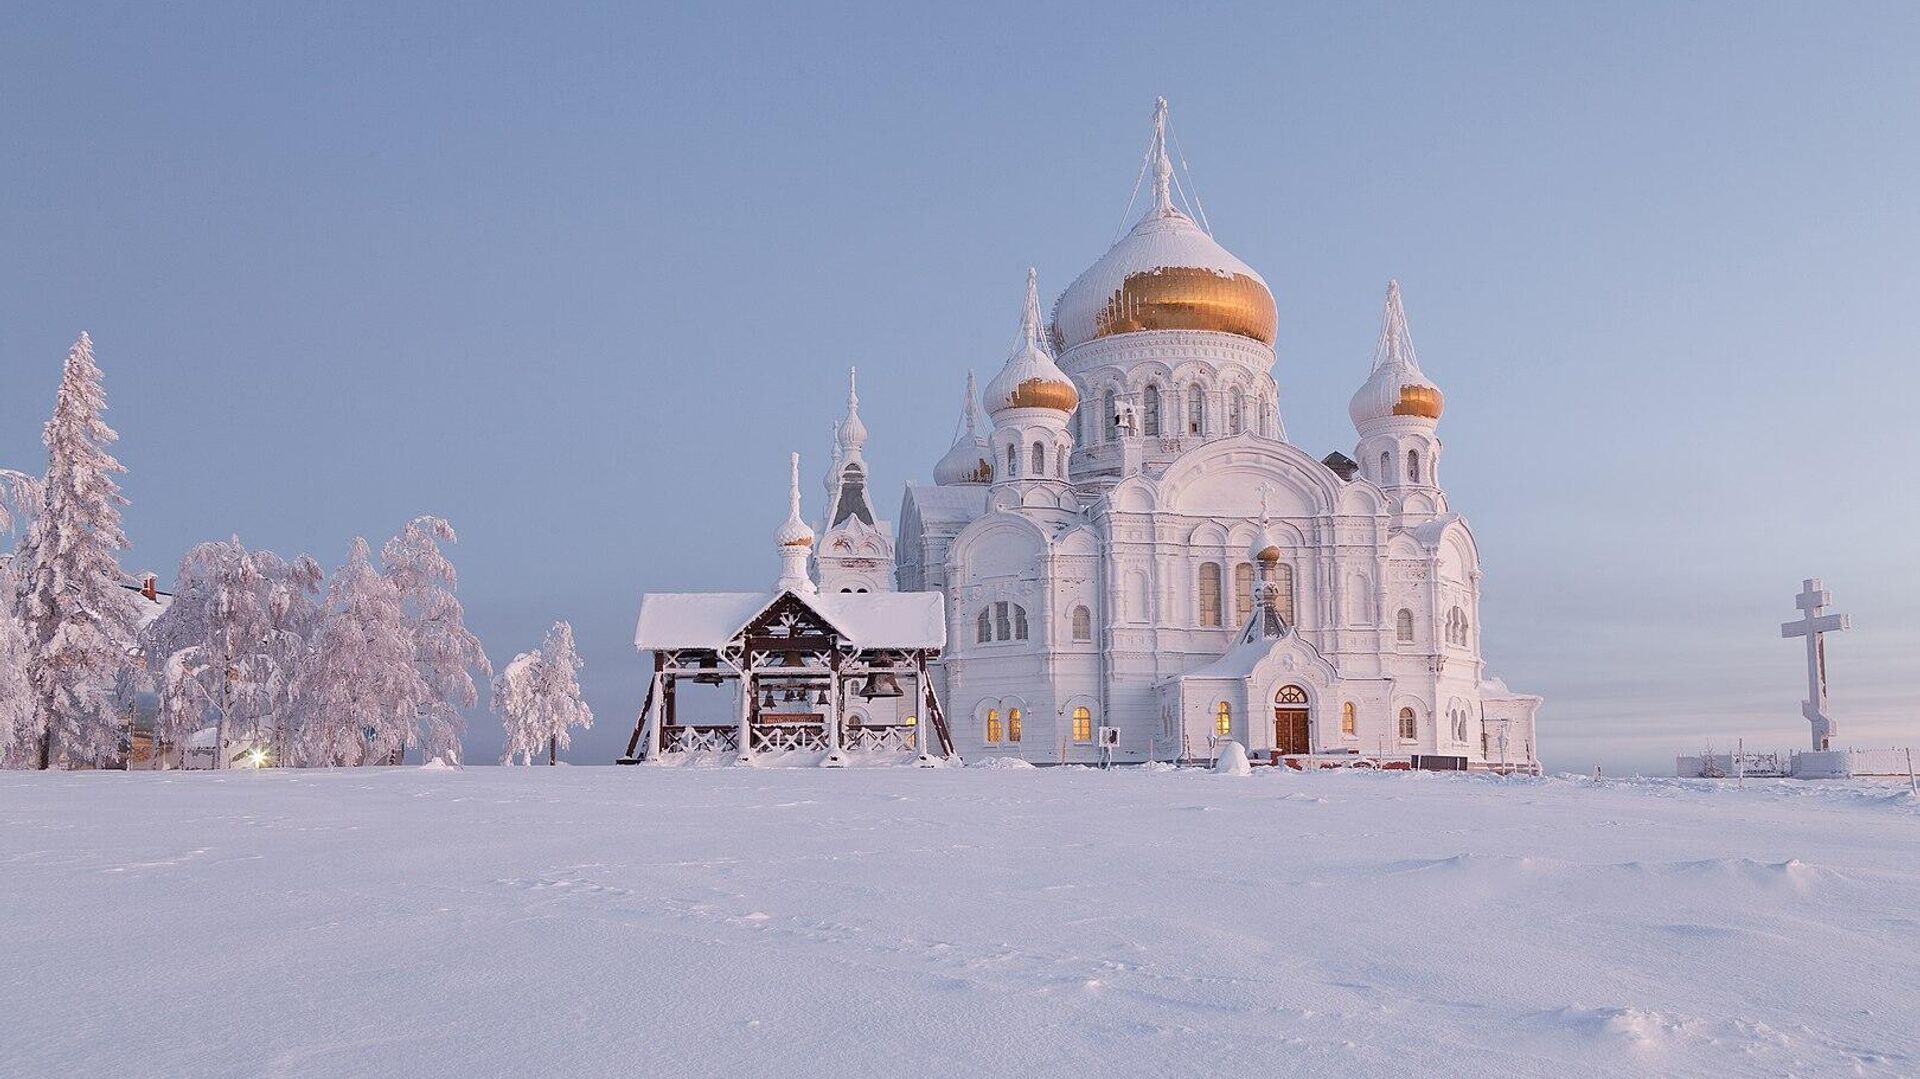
(1814, 625)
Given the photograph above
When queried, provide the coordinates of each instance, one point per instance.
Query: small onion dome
(1397, 386)
(1166, 274)
(1030, 378)
(794, 532)
(1264, 547)
(969, 461)
(853, 432)
(1396, 391)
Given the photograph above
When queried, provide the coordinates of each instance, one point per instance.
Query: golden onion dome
(1030, 378)
(1397, 387)
(1165, 274)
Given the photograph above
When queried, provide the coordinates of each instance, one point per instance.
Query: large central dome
(1166, 274)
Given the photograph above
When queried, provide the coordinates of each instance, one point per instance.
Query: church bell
(881, 684)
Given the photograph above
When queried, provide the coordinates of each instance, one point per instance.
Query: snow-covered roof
(671, 620)
(956, 505)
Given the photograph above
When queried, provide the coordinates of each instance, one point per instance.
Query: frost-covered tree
(293, 618)
(19, 504)
(19, 737)
(214, 639)
(79, 621)
(446, 653)
(360, 690)
(538, 699)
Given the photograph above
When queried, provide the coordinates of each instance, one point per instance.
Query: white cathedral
(1136, 563)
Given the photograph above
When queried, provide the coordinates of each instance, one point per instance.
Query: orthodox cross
(1814, 626)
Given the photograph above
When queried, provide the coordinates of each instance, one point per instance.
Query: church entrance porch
(1291, 721)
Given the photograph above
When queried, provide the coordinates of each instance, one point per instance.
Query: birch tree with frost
(361, 691)
(445, 651)
(538, 698)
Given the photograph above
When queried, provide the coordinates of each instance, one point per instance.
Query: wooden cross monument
(1814, 626)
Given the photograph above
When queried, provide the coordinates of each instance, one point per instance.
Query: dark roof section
(1343, 466)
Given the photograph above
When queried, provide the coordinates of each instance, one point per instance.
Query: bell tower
(856, 547)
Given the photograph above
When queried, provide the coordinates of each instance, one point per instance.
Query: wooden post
(746, 716)
(553, 749)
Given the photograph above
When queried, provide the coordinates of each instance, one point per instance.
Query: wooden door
(1290, 730)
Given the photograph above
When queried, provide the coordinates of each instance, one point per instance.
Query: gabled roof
(948, 505)
(670, 620)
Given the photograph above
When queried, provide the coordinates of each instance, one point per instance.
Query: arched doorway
(1292, 721)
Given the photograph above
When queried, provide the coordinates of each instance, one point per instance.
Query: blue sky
(578, 278)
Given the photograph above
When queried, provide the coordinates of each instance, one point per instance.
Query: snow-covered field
(603, 921)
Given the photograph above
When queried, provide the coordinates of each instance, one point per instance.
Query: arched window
(985, 633)
(1060, 462)
(1019, 622)
(1460, 725)
(1039, 460)
(1403, 626)
(1243, 592)
(1409, 725)
(1349, 725)
(1223, 719)
(1002, 621)
(1283, 578)
(1386, 468)
(1150, 411)
(1082, 724)
(993, 724)
(1413, 466)
(1110, 423)
(1236, 411)
(1013, 724)
(1082, 624)
(1265, 411)
(1196, 410)
(1079, 437)
(1013, 462)
(1209, 593)
(1457, 627)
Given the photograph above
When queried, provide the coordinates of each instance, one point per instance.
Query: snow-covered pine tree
(538, 698)
(360, 691)
(445, 651)
(79, 620)
(19, 737)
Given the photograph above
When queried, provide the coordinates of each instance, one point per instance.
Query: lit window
(1243, 591)
(1403, 626)
(1082, 624)
(1082, 724)
(1223, 719)
(1349, 726)
(1013, 724)
(993, 724)
(985, 628)
(1409, 725)
(1210, 593)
